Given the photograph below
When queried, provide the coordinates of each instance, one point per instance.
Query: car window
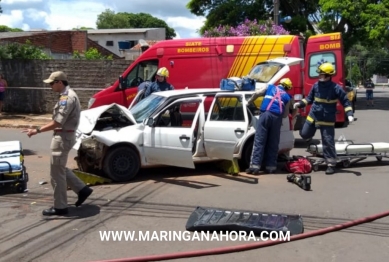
(146, 107)
(228, 108)
(264, 72)
(180, 114)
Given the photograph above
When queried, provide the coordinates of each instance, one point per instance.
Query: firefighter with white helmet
(324, 96)
(160, 84)
(275, 106)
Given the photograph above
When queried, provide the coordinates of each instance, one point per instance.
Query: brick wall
(60, 42)
(56, 41)
(28, 94)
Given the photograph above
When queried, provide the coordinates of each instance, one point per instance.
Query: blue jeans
(266, 141)
(369, 95)
(327, 136)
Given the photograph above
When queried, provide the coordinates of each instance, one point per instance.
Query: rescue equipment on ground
(237, 84)
(91, 179)
(12, 169)
(303, 181)
(298, 165)
(215, 219)
(349, 152)
(229, 167)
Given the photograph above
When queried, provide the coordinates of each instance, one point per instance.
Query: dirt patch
(23, 121)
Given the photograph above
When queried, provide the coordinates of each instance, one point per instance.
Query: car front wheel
(121, 164)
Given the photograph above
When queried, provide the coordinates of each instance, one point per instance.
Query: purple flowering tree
(247, 28)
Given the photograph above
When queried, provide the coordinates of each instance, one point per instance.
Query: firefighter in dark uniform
(324, 96)
(66, 117)
(160, 83)
(274, 107)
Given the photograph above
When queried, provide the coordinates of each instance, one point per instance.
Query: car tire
(246, 155)
(121, 164)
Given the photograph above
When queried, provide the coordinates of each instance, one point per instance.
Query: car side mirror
(122, 83)
(150, 122)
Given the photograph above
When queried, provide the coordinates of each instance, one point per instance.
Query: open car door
(168, 142)
(270, 71)
(226, 124)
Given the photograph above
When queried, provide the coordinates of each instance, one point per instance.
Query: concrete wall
(39, 100)
(377, 79)
(28, 94)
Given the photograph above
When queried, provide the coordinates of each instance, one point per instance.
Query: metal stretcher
(12, 169)
(349, 153)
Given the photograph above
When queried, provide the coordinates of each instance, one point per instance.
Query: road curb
(19, 125)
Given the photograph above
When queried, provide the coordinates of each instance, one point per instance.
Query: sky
(69, 14)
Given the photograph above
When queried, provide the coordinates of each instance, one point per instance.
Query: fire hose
(239, 248)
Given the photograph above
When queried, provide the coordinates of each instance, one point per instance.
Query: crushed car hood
(89, 117)
(89, 120)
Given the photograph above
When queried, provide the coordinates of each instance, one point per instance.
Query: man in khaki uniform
(66, 116)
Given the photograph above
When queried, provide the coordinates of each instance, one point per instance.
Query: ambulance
(203, 62)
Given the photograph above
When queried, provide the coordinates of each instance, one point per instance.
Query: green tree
(111, 20)
(22, 51)
(143, 20)
(370, 60)
(4, 28)
(354, 74)
(91, 54)
(363, 21)
(360, 21)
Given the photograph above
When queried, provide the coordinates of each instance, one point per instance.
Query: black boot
(83, 195)
(330, 170)
(55, 211)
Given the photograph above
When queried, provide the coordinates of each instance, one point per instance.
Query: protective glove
(350, 119)
(296, 105)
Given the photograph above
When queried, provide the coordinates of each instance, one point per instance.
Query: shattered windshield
(146, 107)
(264, 72)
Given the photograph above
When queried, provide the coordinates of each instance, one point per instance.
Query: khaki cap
(56, 76)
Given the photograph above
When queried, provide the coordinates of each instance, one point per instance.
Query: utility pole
(276, 11)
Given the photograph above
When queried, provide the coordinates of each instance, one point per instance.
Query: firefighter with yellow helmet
(323, 97)
(160, 83)
(275, 106)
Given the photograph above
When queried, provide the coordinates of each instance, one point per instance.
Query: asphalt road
(163, 199)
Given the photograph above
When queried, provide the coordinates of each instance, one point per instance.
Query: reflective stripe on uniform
(271, 97)
(349, 108)
(304, 101)
(321, 100)
(322, 123)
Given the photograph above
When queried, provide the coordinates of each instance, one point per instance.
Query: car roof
(194, 91)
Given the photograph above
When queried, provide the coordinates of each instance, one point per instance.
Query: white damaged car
(175, 128)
